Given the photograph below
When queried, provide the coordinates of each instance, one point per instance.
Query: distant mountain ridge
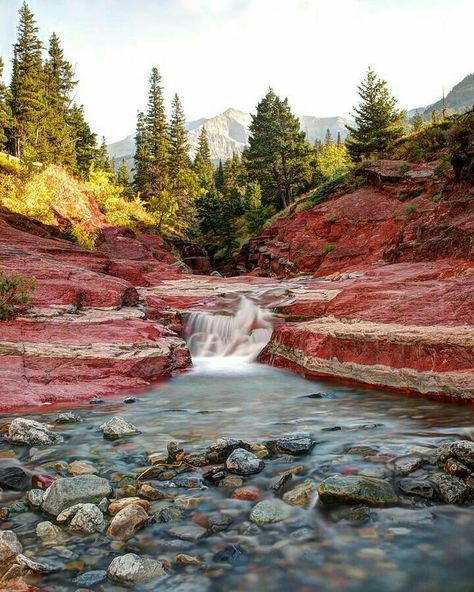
(228, 133)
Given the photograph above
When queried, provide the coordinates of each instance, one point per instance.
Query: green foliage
(178, 143)
(102, 160)
(278, 157)
(326, 189)
(15, 291)
(437, 197)
(417, 122)
(404, 168)
(84, 141)
(9, 165)
(333, 160)
(377, 122)
(122, 178)
(410, 209)
(328, 248)
(255, 213)
(331, 218)
(202, 161)
(427, 144)
(5, 111)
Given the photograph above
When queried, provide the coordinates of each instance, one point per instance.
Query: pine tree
(202, 161)
(157, 136)
(142, 158)
(28, 102)
(84, 141)
(278, 156)
(219, 177)
(60, 84)
(377, 122)
(5, 114)
(339, 139)
(417, 122)
(434, 117)
(102, 159)
(178, 143)
(328, 138)
(122, 177)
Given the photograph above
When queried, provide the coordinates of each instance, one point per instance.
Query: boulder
(127, 522)
(131, 570)
(28, 432)
(70, 491)
(243, 462)
(356, 489)
(295, 443)
(452, 490)
(117, 427)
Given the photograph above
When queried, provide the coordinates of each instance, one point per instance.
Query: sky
(218, 54)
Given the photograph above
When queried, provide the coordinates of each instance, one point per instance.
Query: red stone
(42, 481)
(247, 493)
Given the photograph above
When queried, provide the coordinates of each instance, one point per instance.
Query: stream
(420, 544)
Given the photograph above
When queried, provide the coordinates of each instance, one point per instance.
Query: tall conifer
(102, 159)
(202, 161)
(142, 158)
(328, 138)
(178, 143)
(28, 102)
(84, 141)
(157, 136)
(5, 114)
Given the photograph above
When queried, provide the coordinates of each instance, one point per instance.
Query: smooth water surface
(420, 546)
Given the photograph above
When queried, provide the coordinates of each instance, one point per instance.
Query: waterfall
(240, 329)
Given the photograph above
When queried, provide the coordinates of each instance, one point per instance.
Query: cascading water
(240, 329)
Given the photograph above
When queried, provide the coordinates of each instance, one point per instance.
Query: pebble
(39, 567)
(219, 450)
(116, 505)
(190, 480)
(35, 497)
(294, 443)
(87, 519)
(15, 478)
(248, 493)
(183, 559)
(131, 570)
(91, 578)
(301, 495)
(457, 468)
(231, 481)
(48, 531)
(233, 554)
(67, 418)
(151, 493)
(81, 467)
(127, 522)
(189, 532)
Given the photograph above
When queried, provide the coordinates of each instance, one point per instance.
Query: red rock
(247, 493)
(350, 471)
(42, 481)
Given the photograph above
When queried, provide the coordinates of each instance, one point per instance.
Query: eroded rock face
(70, 491)
(131, 570)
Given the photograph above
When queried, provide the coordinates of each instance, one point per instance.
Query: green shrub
(404, 168)
(328, 248)
(437, 197)
(14, 292)
(327, 188)
(410, 209)
(331, 218)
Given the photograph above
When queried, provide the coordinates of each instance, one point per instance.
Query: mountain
(229, 133)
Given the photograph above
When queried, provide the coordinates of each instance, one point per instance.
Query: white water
(236, 333)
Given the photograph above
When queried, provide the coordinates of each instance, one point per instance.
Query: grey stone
(131, 569)
(39, 567)
(47, 531)
(243, 462)
(9, 545)
(405, 466)
(452, 490)
(127, 522)
(87, 519)
(117, 427)
(418, 487)
(190, 532)
(35, 497)
(357, 489)
(295, 443)
(28, 432)
(15, 478)
(184, 583)
(91, 578)
(67, 418)
(219, 450)
(190, 480)
(270, 511)
(70, 491)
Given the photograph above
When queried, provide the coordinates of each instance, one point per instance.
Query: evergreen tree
(219, 177)
(5, 114)
(328, 138)
(434, 117)
(417, 122)
(255, 214)
(333, 160)
(178, 143)
(142, 159)
(202, 161)
(122, 177)
(278, 156)
(318, 145)
(102, 159)
(157, 137)
(60, 84)
(339, 139)
(84, 141)
(377, 122)
(27, 101)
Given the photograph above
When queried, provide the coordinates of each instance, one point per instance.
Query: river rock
(269, 511)
(90, 579)
(131, 570)
(452, 490)
(197, 459)
(219, 450)
(15, 478)
(9, 545)
(301, 495)
(127, 522)
(27, 432)
(116, 505)
(247, 493)
(356, 489)
(185, 583)
(295, 443)
(464, 451)
(457, 468)
(64, 418)
(233, 554)
(418, 487)
(81, 467)
(190, 480)
(47, 531)
(88, 519)
(70, 491)
(39, 567)
(243, 462)
(117, 427)
(190, 532)
(35, 497)
(405, 466)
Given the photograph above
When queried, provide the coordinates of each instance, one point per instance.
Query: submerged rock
(269, 511)
(15, 478)
(295, 443)
(127, 522)
(48, 531)
(457, 468)
(301, 495)
(131, 570)
(117, 427)
(233, 554)
(405, 466)
(28, 432)
(189, 532)
(219, 450)
(35, 497)
(39, 567)
(243, 462)
(90, 579)
(67, 418)
(81, 467)
(452, 490)
(70, 491)
(418, 487)
(356, 489)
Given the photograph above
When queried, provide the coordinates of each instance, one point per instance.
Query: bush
(327, 188)
(331, 218)
(328, 248)
(411, 209)
(14, 291)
